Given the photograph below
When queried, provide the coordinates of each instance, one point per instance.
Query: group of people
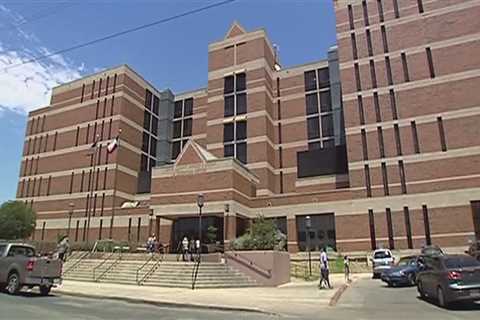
(188, 248)
(325, 270)
(152, 244)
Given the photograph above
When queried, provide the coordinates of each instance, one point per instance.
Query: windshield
(405, 261)
(461, 262)
(2, 249)
(382, 255)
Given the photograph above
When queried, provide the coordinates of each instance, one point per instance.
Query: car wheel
(442, 301)
(420, 290)
(13, 284)
(45, 290)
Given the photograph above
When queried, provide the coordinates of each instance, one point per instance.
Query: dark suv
(449, 278)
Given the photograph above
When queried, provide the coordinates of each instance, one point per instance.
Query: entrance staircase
(142, 269)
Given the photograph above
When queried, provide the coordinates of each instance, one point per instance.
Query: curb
(165, 304)
(337, 295)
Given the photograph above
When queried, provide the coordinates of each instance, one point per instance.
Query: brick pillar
(292, 243)
(165, 231)
(229, 228)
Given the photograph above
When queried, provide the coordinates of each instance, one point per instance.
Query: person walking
(324, 270)
(346, 268)
(63, 248)
(185, 248)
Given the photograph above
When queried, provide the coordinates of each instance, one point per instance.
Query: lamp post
(308, 225)
(200, 203)
(71, 205)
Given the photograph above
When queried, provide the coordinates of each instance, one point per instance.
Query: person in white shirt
(324, 270)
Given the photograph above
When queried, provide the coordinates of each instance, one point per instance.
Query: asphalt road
(35, 307)
(371, 299)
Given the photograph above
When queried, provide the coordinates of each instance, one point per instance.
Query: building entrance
(188, 227)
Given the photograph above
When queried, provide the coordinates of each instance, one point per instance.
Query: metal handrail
(109, 267)
(101, 264)
(149, 272)
(196, 267)
(249, 263)
(77, 262)
(143, 266)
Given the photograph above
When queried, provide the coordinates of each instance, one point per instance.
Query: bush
(262, 235)
(17, 221)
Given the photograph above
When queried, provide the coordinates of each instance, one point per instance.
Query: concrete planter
(267, 268)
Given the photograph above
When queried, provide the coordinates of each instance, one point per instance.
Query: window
(426, 222)
(154, 125)
(153, 147)
(386, 191)
(408, 227)
(106, 85)
(398, 142)
(55, 141)
(49, 184)
(373, 74)
(234, 137)
(310, 80)
(146, 120)
(148, 99)
(365, 12)
(364, 144)
(229, 84)
(327, 125)
(71, 183)
(176, 148)
(76, 136)
(380, 10)
(82, 180)
(416, 145)
(420, 6)
(83, 92)
(241, 103)
(188, 107)
(361, 113)
(93, 90)
(376, 104)
(391, 241)
(395, 9)
(143, 162)
(371, 223)
(177, 113)
(389, 71)
(441, 131)
(384, 39)
(357, 77)
(430, 62)
(350, 17)
(313, 128)
(405, 67)
(403, 183)
(325, 101)
(323, 78)
(156, 105)
(393, 104)
(312, 103)
(187, 127)
(381, 146)
(241, 81)
(114, 83)
(354, 46)
(369, 43)
(367, 181)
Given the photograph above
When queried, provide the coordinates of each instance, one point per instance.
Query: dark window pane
(176, 149)
(313, 129)
(184, 142)
(188, 107)
(153, 147)
(229, 106)
(146, 120)
(323, 78)
(312, 103)
(148, 99)
(325, 102)
(177, 113)
(310, 80)
(241, 103)
(241, 130)
(187, 127)
(327, 144)
(151, 163)
(327, 125)
(145, 142)
(242, 152)
(156, 103)
(154, 125)
(228, 84)
(177, 129)
(314, 145)
(228, 150)
(228, 132)
(143, 164)
(241, 82)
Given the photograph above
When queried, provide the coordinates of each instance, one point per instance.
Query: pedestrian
(191, 249)
(185, 248)
(346, 268)
(63, 247)
(324, 270)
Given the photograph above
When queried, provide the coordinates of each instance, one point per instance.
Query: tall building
(376, 143)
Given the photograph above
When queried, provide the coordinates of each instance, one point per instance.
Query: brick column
(292, 243)
(229, 228)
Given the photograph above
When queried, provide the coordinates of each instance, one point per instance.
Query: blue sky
(172, 55)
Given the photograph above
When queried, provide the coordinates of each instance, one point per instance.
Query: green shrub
(262, 235)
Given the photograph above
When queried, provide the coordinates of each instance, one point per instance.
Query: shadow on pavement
(456, 306)
(26, 294)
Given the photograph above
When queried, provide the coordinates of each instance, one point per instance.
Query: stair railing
(77, 262)
(101, 264)
(114, 263)
(248, 263)
(196, 266)
(141, 268)
(150, 271)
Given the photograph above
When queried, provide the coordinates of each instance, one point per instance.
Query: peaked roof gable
(235, 30)
(193, 153)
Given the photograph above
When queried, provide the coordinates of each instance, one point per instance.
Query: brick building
(378, 143)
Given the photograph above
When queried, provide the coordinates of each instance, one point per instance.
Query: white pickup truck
(20, 267)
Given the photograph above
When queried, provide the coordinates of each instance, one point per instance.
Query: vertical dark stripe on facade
(25, 167)
(43, 122)
(281, 182)
(408, 227)
(106, 85)
(104, 113)
(371, 223)
(34, 149)
(83, 93)
(84, 230)
(40, 144)
(114, 83)
(40, 186)
(76, 230)
(388, 68)
(361, 113)
(416, 145)
(426, 222)
(129, 233)
(441, 131)
(395, 9)
(105, 179)
(43, 230)
(367, 181)
(76, 136)
(38, 125)
(381, 145)
(369, 43)
(420, 6)
(71, 182)
(27, 189)
(22, 187)
(49, 184)
(94, 204)
(364, 144)
(373, 74)
(93, 89)
(398, 140)
(36, 165)
(112, 104)
(55, 141)
(354, 46)
(87, 204)
(384, 39)
(376, 105)
(386, 190)
(101, 130)
(350, 17)
(403, 182)
(430, 62)
(99, 88)
(476, 217)
(82, 181)
(380, 10)
(357, 77)
(100, 230)
(46, 143)
(391, 241)
(393, 104)
(102, 205)
(365, 13)
(94, 136)
(33, 186)
(406, 75)
(99, 159)
(30, 130)
(138, 228)
(110, 129)
(97, 109)
(96, 179)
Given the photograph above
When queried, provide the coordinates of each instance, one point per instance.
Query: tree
(17, 221)
(263, 234)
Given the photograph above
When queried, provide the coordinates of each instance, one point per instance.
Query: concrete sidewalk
(293, 299)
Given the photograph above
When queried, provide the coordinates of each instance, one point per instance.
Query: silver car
(382, 260)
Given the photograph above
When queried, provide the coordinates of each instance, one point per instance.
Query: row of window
(40, 144)
(37, 125)
(235, 140)
(386, 189)
(390, 226)
(98, 93)
(182, 125)
(150, 126)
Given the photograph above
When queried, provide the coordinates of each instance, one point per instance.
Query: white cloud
(28, 86)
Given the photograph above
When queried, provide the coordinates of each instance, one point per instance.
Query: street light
(200, 203)
(308, 225)
(71, 205)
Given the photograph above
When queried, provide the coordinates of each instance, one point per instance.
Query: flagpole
(115, 184)
(90, 206)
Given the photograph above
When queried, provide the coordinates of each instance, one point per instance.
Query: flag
(112, 145)
(92, 148)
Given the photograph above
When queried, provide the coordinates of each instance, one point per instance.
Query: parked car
(404, 273)
(474, 250)
(20, 267)
(382, 260)
(449, 278)
(432, 250)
